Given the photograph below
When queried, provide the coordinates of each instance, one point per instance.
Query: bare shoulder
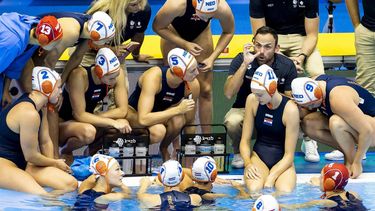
(71, 30)
(78, 78)
(195, 84)
(251, 104)
(152, 74)
(343, 93)
(343, 97)
(291, 108)
(251, 101)
(78, 73)
(27, 112)
(291, 114)
(223, 8)
(175, 6)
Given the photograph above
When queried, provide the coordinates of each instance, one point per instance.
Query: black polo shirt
(283, 67)
(137, 23)
(285, 16)
(368, 19)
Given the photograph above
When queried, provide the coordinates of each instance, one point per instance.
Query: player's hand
(206, 65)
(193, 48)
(122, 125)
(252, 172)
(60, 163)
(186, 105)
(248, 56)
(298, 62)
(142, 58)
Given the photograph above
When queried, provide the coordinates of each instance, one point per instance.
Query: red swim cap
(48, 30)
(335, 176)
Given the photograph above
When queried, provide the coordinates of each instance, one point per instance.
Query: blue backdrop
(240, 10)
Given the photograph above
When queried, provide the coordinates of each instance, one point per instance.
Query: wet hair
(116, 9)
(267, 30)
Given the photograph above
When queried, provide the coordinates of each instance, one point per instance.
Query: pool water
(11, 200)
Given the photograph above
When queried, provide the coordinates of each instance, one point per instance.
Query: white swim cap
(306, 91)
(106, 62)
(44, 80)
(179, 60)
(171, 173)
(264, 79)
(204, 169)
(206, 6)
(266, 203)
(100, 164)
(101, 28)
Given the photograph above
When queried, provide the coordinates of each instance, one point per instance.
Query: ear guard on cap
(306, 91)
(178, 71)
(318, 92)
(94, 35)
(101, 167)
(106, 62)
(44, 80)
(100, 164)
(47, 87)
(329, 184)
(179, 60)
(43, 39)
(316, 89)
(335, 176)
(48, 30)
(204, 169)
(98, 71)
(271, 89)
(100, 27)
(265, 78)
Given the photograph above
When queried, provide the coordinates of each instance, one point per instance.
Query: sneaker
(334, 155)
(237, 161)
(337, 155)
(310, 148)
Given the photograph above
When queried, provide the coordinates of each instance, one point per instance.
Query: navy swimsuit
(10, 142)
(93, 95)
(188, 26)
(367, 101)
(86, 201)
(201, 192)
(352, 203)
(166, 98)
(175, 200)
(270, 129)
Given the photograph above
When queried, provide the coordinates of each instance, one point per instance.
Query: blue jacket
(14, 47)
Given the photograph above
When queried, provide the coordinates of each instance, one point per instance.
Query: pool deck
(305, 170)
(301, 179)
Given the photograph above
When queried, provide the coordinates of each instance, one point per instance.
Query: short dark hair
(266, 30)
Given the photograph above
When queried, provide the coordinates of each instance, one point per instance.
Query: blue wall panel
(240, 10)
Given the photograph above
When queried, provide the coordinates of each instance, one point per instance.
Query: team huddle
(57, 112)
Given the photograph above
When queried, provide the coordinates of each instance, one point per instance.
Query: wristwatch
(302, 55)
